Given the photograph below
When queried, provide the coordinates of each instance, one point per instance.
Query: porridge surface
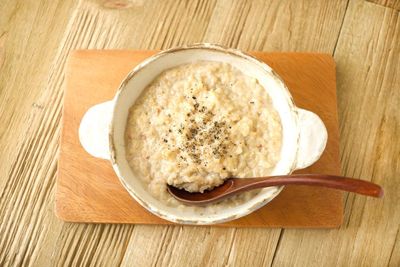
(196, 125)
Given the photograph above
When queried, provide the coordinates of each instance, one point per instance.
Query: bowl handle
(312, 141)
(94, 128)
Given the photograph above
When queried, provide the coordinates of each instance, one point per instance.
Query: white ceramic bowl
(102, 128)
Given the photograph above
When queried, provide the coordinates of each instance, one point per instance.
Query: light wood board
(89, 191)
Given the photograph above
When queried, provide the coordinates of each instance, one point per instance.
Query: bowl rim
(112, 147)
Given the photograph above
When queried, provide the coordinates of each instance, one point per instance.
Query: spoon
(234, 186)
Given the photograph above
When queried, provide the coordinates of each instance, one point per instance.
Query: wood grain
(387, 3)
(89, 191)
(368, 73)
(38, 36)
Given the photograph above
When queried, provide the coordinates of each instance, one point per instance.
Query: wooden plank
(368, 67)
(277, 25)
(210, 242)
(29, 231)
(28, 135)
(395, 4)
(94, 27)
(89, 191)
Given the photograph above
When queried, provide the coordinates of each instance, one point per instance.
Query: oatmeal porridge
(198, 124)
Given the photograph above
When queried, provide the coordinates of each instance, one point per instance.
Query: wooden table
(35, 39)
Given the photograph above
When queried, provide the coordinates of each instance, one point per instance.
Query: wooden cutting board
(89, 191)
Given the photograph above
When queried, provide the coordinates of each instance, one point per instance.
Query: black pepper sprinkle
(202, 135)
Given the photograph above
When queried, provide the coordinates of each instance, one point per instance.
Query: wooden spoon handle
(330, 181)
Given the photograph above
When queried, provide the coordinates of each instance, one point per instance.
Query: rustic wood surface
(388, 3)
(35, 38)
(89, 191)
